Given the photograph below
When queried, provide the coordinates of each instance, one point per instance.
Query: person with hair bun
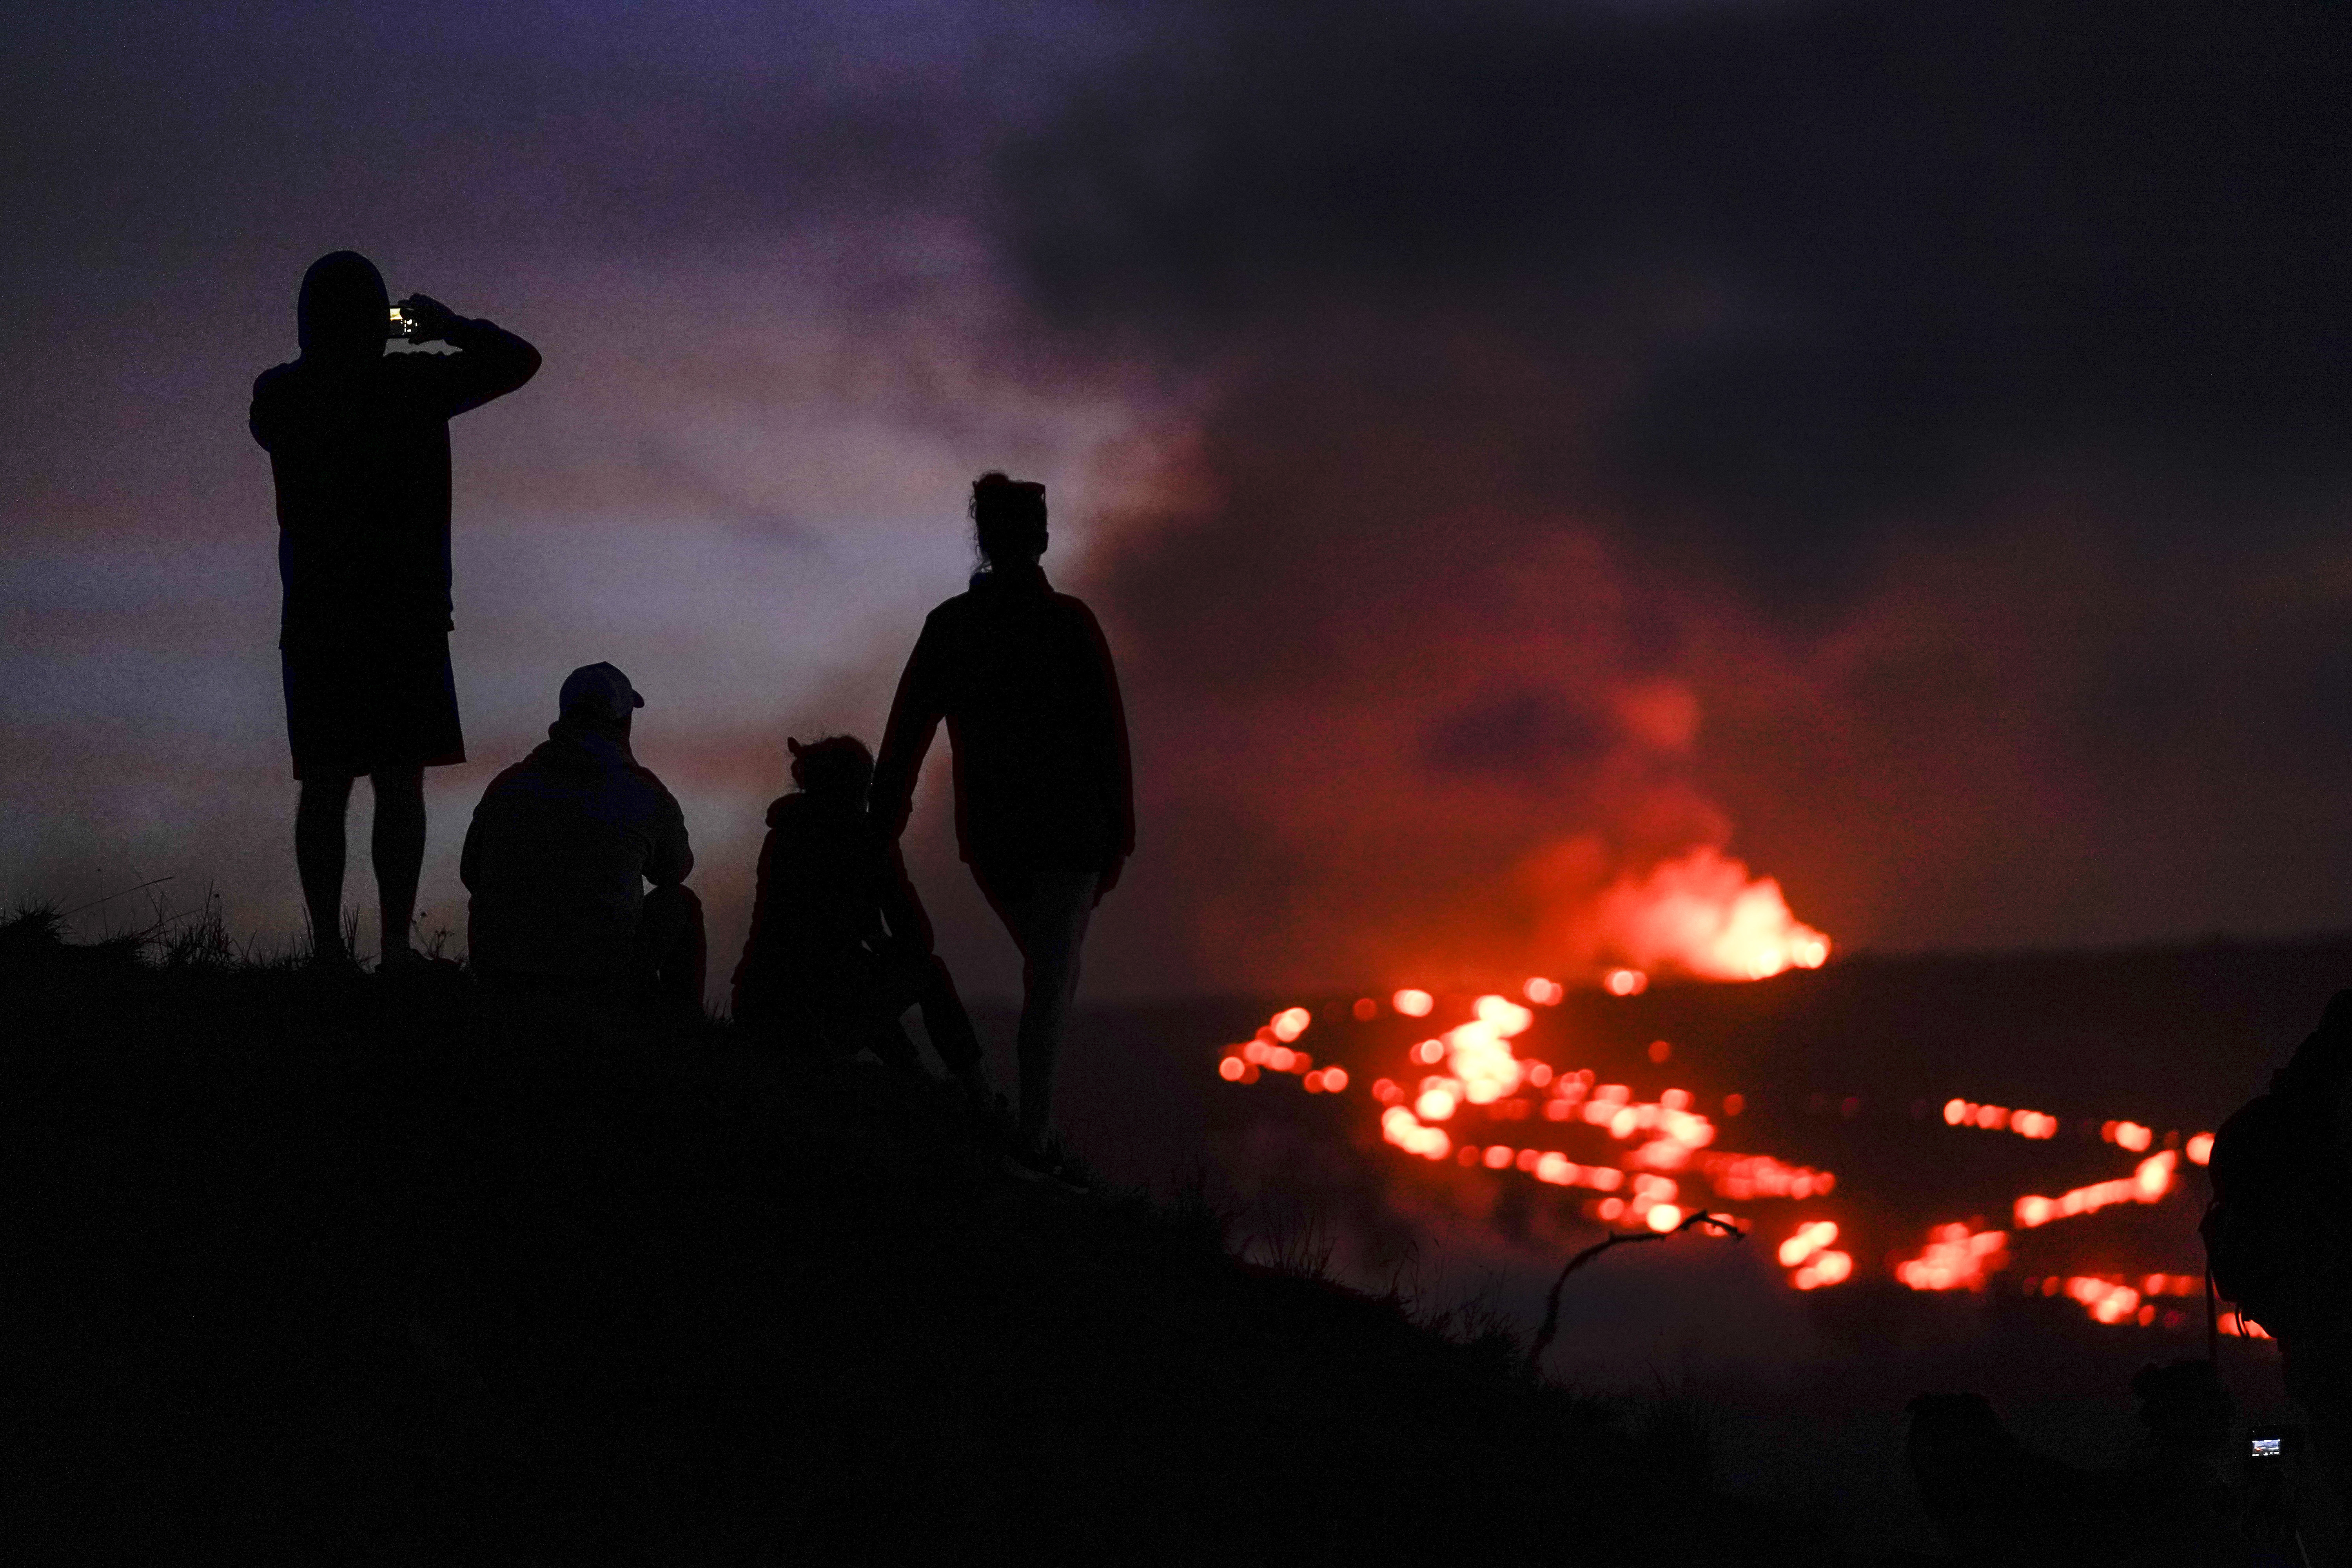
(1044, 801)
(839, 947)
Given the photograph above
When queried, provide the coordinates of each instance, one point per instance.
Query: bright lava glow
(1999, 1118)
(1741, 1177)
(2149, 1183)
(1826, 1268)
(1955, 1260)
(1472, 1076)
(1808, 1240)
(1703, 913)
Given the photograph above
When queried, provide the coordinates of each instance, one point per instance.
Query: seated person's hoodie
(834, 909)
(557, 856)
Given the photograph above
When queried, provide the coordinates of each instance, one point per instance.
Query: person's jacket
(360, 450)
(1023, 678)
(557, 854)
(832, 890)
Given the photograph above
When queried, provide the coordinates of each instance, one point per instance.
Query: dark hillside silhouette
(357, 1269)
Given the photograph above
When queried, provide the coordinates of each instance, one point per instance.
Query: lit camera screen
(2267, 1448)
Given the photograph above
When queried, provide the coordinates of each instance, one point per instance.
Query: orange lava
(1472, 1073)
(1956, 1259)
(2147, 1184)
(1703, 913)
(1744, 1177)
(1996, 1118)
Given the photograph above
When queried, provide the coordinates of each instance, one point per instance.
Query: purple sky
(1945, 414)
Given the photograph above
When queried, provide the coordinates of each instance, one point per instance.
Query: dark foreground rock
(382, 1269)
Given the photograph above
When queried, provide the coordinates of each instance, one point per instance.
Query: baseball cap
(599, 689)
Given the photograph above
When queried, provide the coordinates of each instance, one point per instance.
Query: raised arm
(490, 362)
(915, 715)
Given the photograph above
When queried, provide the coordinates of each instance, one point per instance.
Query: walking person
(359, 449)
(1045, 803)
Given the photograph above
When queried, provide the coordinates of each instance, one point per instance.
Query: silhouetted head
(343, 309)
(598, 697)
(1008, 518)
(838, 767)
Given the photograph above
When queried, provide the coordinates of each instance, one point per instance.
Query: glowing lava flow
(2147, 1184)
(1955, 1258)
(2119, 1300)
(1809, 1259)
(1472, 1071)
(1743, 1177)
(1994, 1117)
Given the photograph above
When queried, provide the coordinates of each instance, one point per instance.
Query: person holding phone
(359, 450)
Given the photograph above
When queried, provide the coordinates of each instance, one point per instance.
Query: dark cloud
(1859, 248)
(1935, 393)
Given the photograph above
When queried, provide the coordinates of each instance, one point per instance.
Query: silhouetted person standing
(840, 947)
(359, 446)
(557, 856)
(1044, 796)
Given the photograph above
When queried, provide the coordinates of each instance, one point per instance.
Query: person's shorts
(376, 707)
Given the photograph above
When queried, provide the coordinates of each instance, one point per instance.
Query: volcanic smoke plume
(1409, 716)
(1654, 471)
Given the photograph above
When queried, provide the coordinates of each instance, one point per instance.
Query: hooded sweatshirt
(833, 889)
(359, 445)
(557, 854)
(1024, 681)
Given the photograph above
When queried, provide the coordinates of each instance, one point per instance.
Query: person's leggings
(1046, 912)
(923, 980)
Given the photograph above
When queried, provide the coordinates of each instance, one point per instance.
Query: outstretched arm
(915, 715)
(491, 362)
(902, 906)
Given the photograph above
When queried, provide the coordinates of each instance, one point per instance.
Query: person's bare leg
(398, 842)
(318, 860)
(1049, 926)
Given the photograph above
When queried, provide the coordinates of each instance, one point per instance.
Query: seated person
(840, 947)
(558, 854)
